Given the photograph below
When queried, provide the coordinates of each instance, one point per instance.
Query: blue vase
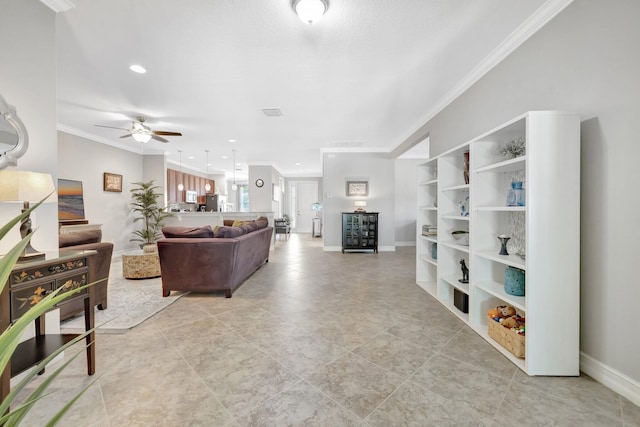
(514, 281)
(434, 251)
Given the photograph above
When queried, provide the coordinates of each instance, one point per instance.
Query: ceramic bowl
(461, 237)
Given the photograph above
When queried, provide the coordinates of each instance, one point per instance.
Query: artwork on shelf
(112, 182)
(70, 200)
(357, 188)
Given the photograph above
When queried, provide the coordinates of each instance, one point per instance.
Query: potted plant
(10, 338)
(145, 206)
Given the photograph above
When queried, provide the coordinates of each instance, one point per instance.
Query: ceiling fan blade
(158, 138)
(111, 127)
(126, 136)
(166, 133)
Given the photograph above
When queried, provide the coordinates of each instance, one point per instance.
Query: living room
(581, 61)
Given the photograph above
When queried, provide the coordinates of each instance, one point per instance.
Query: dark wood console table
(27, 283)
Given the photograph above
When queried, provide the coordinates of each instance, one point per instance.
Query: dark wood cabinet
(27, 284)
(190, 182)
(360, 231)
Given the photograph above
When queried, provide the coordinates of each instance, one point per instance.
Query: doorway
(302, 195)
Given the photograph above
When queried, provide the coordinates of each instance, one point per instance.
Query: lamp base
(359, 210)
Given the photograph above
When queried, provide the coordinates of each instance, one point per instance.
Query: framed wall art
(357, 188)
(112, 182)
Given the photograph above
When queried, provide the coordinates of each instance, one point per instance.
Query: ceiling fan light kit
(143, 133)
(310, 11)
(141, 137)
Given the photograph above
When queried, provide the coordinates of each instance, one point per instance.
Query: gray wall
(406, 200)
(379, 170)
(28, 82)
(585, 60)
(77, 159)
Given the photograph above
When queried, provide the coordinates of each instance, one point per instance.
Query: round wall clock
(259, 182)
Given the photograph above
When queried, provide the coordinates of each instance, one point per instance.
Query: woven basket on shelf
(507, 338)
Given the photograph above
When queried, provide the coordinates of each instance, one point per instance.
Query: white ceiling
(364, 78)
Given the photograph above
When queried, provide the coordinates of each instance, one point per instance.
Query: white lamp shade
(360, 204)
(142, 137)
(310, 11)
(25, 186)
(207, 187)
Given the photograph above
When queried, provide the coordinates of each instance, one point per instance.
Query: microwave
(191, 197)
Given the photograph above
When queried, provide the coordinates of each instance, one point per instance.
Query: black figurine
(465, 272)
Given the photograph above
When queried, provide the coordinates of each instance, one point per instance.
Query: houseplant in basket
(145, 206)
(10, 338)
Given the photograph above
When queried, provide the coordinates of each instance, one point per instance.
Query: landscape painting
(70, 200)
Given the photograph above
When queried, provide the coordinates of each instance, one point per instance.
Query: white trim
(611, 378)
(386, 248)
(537, 20)
(58, 5)
(332, 248)
(134, 148)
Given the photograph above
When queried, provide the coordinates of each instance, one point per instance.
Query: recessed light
(191, 157)
(238, 164)
(225, 157)
(232, 140)
(138, 69)
(297, 163)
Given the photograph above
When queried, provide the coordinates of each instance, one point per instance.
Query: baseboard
(339, 248)
(611, 378)
(412, 243)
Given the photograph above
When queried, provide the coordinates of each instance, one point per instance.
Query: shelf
(457, 187)
(458, 217)
(433, 239)
(497, 290)
(520, 363)
(30, 352)
(501, 208)
(506, 166)
(453, 281)
(463, 316)
(428, 182)
(430, 287)
(428, 259)
(511, 260)
(428, 208)
(453, 245)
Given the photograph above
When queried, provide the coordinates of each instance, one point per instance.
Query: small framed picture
(112, 182)
(357, 188)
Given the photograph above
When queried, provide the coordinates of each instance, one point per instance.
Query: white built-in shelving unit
(546, 230)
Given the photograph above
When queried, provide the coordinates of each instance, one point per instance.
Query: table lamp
(360, 205)
(26, 187)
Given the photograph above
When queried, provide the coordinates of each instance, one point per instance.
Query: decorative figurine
(503, 240)
(465, 272)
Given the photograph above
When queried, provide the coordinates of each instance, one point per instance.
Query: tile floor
(319, 338)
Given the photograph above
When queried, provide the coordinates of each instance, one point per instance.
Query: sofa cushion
(79, 238)
(230, 232)
(262, 222)
(249, 227)
(175, 231)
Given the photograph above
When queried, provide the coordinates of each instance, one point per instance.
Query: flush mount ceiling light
(310, 11)
(141, 137)
(138, 69)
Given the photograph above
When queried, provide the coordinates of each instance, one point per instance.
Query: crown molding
(532, 25)
(90, 137)
(58, 5)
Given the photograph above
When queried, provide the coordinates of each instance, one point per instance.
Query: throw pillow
(237, 223)
(174, 231)
(229, 232)
(262, 222)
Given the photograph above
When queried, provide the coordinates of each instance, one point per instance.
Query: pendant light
(310, 11)
(180, 186)
(207, 186)
(234, 187)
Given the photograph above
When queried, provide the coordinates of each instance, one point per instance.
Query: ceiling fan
(143, 133)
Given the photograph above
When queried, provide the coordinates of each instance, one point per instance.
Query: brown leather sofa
(191, 259)
(101, 263)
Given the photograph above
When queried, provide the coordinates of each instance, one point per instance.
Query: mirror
(13, 136)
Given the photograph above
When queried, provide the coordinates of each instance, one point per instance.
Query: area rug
(131, 302)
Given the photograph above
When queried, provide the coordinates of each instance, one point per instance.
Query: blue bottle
(511, 195)
(520, 194)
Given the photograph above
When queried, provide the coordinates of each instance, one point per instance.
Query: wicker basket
(507, 338)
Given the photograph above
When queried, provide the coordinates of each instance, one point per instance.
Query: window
(243, 196)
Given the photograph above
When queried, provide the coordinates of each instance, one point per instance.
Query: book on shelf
(429, 230)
